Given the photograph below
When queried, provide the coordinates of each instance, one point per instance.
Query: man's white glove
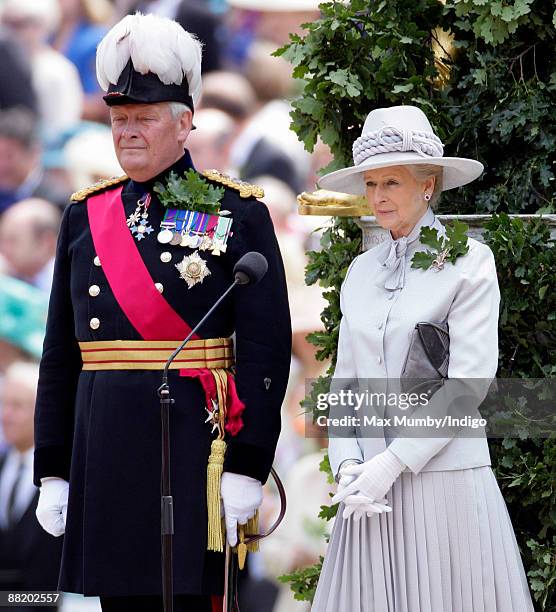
(241, 497)
(53, 505)
(373, 479)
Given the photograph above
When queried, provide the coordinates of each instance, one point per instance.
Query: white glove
(374, 478)
(53, 505)
(358, 505)
(241, 497)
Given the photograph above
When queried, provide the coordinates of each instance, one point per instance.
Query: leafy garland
(190, 193)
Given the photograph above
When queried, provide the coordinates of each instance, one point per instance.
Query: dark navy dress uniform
(101, 429)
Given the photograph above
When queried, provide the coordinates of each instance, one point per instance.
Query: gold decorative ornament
(83, 194)
(246, 190)
(332, 204)
(193, 269)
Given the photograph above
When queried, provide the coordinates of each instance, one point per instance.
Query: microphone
(250, 269)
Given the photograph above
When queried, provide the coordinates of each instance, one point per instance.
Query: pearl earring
(427, 196)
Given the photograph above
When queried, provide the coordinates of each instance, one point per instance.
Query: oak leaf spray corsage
(443, 249)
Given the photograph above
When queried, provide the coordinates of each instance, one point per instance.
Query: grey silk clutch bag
(428, 356)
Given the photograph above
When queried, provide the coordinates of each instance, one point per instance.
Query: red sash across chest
(148, 312)
(126, 273)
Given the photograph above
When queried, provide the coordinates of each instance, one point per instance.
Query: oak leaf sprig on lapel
(190, 192)
(444, 249)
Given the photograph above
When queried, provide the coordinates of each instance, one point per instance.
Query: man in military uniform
(140, 260)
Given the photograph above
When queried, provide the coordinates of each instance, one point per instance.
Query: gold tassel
(215, 539)
(252, 527)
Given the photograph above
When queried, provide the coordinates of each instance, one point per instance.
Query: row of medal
(187, 228)
(196, 230)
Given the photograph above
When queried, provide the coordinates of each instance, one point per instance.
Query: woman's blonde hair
(421, 172)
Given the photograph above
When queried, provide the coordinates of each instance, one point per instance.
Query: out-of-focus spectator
(270, 76)
(22, 324)
(21, 173)
(90, 157)
(281, 203)
(22, 321)
(273, 84)
(253, 152)
(55, 79)
(209, 144)
(272, 20)
(16, 87)
(195, 16)
(28, 234)
(29, 557)
(83, 24)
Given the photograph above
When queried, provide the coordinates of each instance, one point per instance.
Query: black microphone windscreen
(251, 268)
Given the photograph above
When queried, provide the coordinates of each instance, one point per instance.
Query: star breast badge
(193, 269)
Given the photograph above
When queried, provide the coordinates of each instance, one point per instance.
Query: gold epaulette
(83, 194)
(246, 190)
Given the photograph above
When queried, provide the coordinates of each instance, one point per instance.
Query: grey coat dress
(448, 545)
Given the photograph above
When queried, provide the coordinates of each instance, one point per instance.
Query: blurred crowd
(55, 139)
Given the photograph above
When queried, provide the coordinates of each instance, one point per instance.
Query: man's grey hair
(178, 108)
(421, 172)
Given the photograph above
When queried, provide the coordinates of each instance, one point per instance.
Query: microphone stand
(167, 507)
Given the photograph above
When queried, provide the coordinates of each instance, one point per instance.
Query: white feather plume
(154, 44)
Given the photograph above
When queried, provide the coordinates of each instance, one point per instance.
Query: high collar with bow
(397, 250)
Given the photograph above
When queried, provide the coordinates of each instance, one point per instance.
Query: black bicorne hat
(136, 88)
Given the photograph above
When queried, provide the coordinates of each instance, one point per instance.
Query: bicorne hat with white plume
(147, 59)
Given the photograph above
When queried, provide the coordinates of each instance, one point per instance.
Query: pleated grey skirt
(447, 546)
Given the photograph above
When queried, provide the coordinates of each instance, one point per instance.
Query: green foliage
(526, 261)
(450, 248)
(359, 56)
(502, 96)
(304, 582)
(190, 193)
(493, 21)
(493, 100)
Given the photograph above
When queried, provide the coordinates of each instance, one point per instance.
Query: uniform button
(94, 323)
(96, 261)
(379, 326)
(165, 257)
(94, 290)
(160, 287)
(379, 359)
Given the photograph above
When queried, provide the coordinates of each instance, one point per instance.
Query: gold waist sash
(212, 353)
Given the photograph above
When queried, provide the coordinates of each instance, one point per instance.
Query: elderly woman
(423, 526)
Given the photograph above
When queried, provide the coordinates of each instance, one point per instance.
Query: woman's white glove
(52, 507)
(373, 479)
(241, 497)
(358, 505)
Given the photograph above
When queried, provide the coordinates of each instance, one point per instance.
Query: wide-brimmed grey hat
(399, 136)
